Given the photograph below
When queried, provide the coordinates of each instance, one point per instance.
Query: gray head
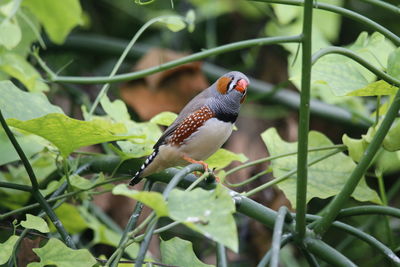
(229, 91)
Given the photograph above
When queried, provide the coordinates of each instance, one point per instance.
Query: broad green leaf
(30, 29)
(117, 109)
(387, 162)
(58, 17)
(16, 66)
(393, 65)
(392, 139)
(223, 158)
(80, 182)
(207, 212)
(179, 252)
(35, 222)
(325, 178)
(57, 253)
(153, 200)
(356, 147)
(69, 134)
(146, 133)
(52, 186)
(376, 88)
(10, 33)
(6, 249)
(71, 218)
(165, 118)
(174, 23)
(28, 143)
(17, 104)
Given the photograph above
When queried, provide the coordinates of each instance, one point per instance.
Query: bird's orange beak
(241, 85)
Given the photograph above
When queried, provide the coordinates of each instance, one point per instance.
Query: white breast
(207, 139)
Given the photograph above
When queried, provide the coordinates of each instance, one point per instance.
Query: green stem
(270, 158)
(369, 210)
(349, 53)
(249, 180)
(129, 227)
(382, 4)
(286, 238)
(312, 261)
(344, 12)
(338, 202)
(326, 252)
(304, 122)
(194, 57)
(35, 186)
(277, 236)
(20, 187)
(382, 192)
(288, 174)
(152, 226)
(221, 256)
(372, 241)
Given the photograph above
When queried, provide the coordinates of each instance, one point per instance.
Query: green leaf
(16, 66)
(58, 17)
(117, 109)
(69, 134)
(174, 23)
(207, 212)
(57, 253)
(6, 249)
(374, 89)
(356, 147)
(165, 118)
(71, 218)
(190, 20)
(10, 33)
(393, 65)
(17, 104)
(392, 139)
(153, 200)
(35, 222)
(325, 178)
(80, 182)
(179, 252)
(52, 186)
(29, 144)
(387, 162)
(223, 158)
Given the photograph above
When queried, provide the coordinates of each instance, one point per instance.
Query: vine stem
(194, 57)
(277, 236)
(35, 186)
(288, 174)
(152, 226)
(338, 202)
(106, 86)
(304, 122)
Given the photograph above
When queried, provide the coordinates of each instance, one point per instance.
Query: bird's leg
(189, 159)
(205, 165)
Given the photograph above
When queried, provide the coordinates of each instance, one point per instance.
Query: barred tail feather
(137, 177)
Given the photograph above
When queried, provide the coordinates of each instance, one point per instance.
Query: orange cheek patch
(222, 84)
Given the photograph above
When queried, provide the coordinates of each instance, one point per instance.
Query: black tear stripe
(226, 117)
(136, 178)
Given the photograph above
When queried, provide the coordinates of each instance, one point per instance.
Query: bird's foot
(188, 159)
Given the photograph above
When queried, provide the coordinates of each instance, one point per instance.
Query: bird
(200, 129)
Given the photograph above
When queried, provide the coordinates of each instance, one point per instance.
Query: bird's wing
(195, 104)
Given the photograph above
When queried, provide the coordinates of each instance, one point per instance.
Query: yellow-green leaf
(223, 158)
(376, 88)
(58, 17)
(6, 248)
(57, 253)
(207, 212)
(165, 118)
(35, 222)
(10, 33)
(69, 134)
(153, 200)
(325, 178)
(179, 252)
